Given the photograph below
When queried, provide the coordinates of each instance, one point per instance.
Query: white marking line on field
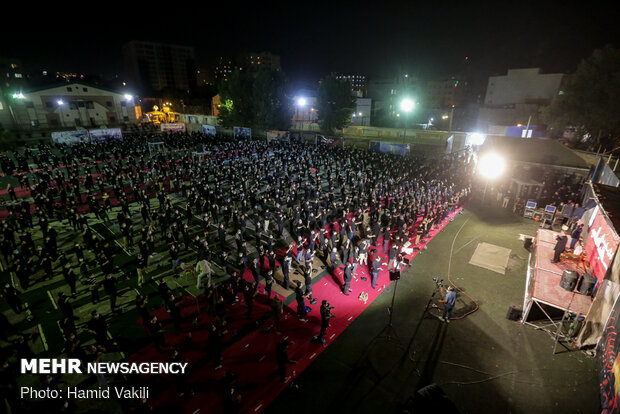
(350, 317)
(40, 328)
(196, 411)
(261, 358)
(313, 355)
(332, 337)
(258, 407)
(247, 345)
(52, 299)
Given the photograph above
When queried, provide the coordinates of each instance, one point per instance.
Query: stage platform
(543, 281)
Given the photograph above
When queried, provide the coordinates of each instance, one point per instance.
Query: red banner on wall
(601, 245)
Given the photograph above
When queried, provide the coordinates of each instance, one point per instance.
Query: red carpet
(253, 359)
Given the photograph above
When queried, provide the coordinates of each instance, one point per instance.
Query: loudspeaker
(527, 243)
(569, 280)
(514, 313)
(586, 285)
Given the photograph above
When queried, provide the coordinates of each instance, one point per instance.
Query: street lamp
(407, 106)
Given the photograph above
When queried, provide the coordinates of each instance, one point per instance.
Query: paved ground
(485, 363)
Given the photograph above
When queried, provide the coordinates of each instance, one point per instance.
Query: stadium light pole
(301, 103)
(490, 166)
(406, 105)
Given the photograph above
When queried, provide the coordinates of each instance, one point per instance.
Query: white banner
(177, 127)
(70, 137)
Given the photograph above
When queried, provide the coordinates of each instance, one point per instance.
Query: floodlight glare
(491, 166)
(301, 102)
(60, 102)
(477, 138)
(128, 97)
(406, 105)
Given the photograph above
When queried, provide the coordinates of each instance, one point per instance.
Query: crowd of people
(270, 208)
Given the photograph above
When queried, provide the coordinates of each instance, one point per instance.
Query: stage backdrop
(208, 130)
(105, 134)
(69, 137)
(601, 245)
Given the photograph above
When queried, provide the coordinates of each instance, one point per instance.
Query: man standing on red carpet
(282, 358)
(326, 315)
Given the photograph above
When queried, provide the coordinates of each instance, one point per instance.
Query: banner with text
(277, 135)
(208, 130)
(242, 133)
(328, 140)
(70, 137)
(178, 127)
(601, 245)
(97, 135)
(389, 147)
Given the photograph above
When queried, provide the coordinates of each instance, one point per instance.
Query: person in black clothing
(308, 284)
(326, 315)
(560, 244)
(283, 359)
(175, 312)
(215, 344)
(141, 302)
(348, 269)
(99, 328)
(286, 268)
(301, 305)
(249, 290)
(11, 295)
(109, 285)
(156, 330)
(64, 304)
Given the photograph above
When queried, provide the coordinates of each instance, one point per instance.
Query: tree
(271, 109)
(335, 103)
(236, 97)
(257, 101)
(591, 100)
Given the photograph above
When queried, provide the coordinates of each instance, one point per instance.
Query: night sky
(315, 38)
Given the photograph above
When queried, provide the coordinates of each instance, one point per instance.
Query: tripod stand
(438, 285)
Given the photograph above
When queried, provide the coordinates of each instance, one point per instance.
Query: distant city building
(253, 61)
(11, 72)
(67, 106)
(363, 112)
(222, 69)
(387, 94)
(445, 93)
(518, 96)
(157, 66)
(359, 83)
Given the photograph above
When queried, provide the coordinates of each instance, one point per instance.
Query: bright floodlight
(128, 97)
(491, 166)
(60, 102)
(406, 105)
(477, 138)
(301, 102)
